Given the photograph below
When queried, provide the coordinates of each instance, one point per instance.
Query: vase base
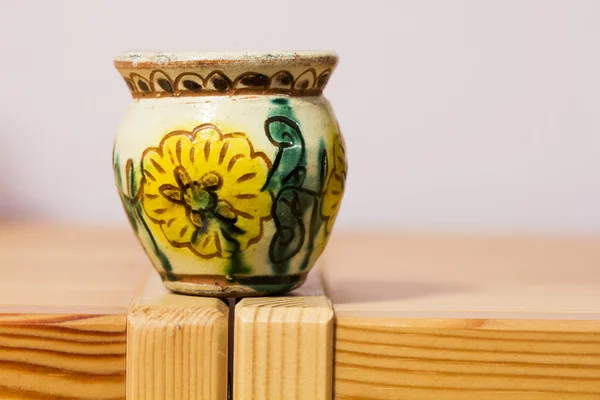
(243, 286)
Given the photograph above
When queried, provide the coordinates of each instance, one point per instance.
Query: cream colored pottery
(230, 166)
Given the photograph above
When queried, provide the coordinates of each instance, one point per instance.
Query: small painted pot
(230, 167)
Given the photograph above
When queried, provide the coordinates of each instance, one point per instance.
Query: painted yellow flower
(334, 189)
(203, 190)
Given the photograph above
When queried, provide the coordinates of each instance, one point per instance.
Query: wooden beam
(64, 296)
(283, 346)
(51, 356)
(465, 318)
(176, 346)
(390, 358)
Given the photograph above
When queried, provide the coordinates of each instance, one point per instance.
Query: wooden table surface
(74, 269)
(414, 317)
(465, 317)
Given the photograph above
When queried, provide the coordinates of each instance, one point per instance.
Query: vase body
(230, 167)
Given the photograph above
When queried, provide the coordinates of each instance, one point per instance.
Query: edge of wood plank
(53, 356)
(466, 359)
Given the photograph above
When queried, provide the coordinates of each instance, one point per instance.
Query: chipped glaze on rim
(265, 58)
(302, 73)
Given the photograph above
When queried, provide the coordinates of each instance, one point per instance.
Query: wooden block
(176, 346)
(47, 356)
(283, 346)
(465, 318)
(467, 359)
(64, 295)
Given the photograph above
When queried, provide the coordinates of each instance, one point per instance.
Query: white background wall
(459, 114)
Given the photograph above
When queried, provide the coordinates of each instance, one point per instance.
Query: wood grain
(465, 318)
(62, 356)
(176, 346)
(466, 359)
(283, 346)
(64, 295)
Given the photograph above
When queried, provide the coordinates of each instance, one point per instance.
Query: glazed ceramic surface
(230, 166)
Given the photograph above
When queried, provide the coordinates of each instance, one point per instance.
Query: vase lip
(200, 59)
(295, 73)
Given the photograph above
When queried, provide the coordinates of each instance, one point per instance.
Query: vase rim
(297, 73)
(258, 58)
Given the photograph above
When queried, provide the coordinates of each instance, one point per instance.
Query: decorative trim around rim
(177, 74)
(158, 83)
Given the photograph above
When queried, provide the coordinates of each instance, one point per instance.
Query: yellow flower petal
(334, 189)
(206, 132)
(158, 207)
(251, 214)
(249, 177)
(208, 244)
(178, 229)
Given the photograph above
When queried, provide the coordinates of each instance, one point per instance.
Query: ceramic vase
(230, 167)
